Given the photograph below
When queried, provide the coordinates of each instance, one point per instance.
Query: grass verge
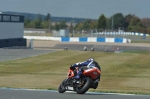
(126, 72)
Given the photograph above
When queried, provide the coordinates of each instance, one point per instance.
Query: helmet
(90, 59)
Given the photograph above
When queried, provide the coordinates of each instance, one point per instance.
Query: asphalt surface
(45, 94)
(13, 54)
(98, 47)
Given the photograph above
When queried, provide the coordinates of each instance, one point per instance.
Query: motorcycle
(88, 79)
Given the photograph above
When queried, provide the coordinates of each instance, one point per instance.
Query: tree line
(128, 23)
(45, 23)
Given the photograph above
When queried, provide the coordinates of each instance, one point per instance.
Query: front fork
(73, 82)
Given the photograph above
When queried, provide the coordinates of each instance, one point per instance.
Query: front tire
(83, 88)
(62, 88)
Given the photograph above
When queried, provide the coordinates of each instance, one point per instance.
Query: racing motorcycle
(88, 79)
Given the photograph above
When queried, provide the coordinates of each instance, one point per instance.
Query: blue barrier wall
(86, 39)
(100, 39)
(83, 39)
(65, 39)
(118, 40)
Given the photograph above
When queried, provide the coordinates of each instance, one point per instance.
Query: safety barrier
(94, 39)
(122, 33)
(81, 39)
(12, 42)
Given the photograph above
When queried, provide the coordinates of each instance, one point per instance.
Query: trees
(146, 24)
(101, 23)
(135, 24)
(128, 22)
(56, 27)
(39, 22)
(26, 23)
(62, 25)
(118, 20)
(86, 25)
(48, 17)
(79, 26)
(45, 24)
(93, 24)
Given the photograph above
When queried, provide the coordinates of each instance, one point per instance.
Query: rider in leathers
(90, 63)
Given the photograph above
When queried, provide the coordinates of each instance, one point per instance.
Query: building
(61, 33)
(11, 30)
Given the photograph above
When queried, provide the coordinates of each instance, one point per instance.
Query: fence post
(96, 32)
(73, 33)
(82, 33)
(31, 44)
(91, 33)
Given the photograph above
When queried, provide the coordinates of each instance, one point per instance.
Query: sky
(78, 8)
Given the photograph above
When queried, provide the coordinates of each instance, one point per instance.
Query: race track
(50, 94)
(13, 54)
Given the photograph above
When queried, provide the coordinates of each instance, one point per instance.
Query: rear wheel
(84, 86)
(62, 88)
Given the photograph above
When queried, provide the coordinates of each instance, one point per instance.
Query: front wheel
(84, 86)
(62, 88)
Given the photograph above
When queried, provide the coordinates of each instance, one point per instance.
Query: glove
(72, 67)
(78, 64)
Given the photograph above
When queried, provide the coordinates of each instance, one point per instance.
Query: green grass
(142, 41)
(126, 72)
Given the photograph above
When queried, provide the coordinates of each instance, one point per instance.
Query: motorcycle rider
(88, 64)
